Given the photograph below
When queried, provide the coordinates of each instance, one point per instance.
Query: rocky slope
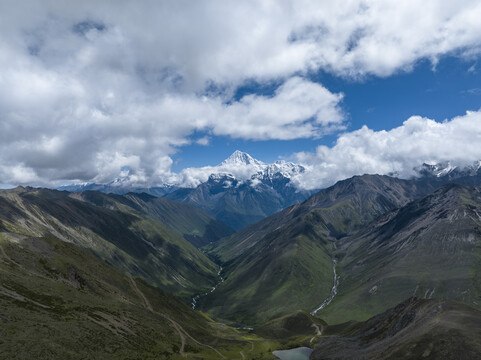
(414, 329)
(429, 248)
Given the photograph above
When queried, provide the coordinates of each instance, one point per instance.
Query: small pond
(300, 353)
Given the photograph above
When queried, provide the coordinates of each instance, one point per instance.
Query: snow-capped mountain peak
(435, 170)
(239, 168)
(286, 168)
(446, 169)
(240, 158)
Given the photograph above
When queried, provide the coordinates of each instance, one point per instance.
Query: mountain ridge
(129, 235)
(239, 191)
(430, 247)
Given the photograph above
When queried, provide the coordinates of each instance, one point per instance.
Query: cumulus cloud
(398, 151)
(89, 87)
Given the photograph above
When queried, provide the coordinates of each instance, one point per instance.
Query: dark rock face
(239, 204)
(415, 329)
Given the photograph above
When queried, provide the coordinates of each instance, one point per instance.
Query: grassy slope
(298, 328)
(283, 263)
(281, 274)
(60, 301)
(194, 224)
(430, 248)
(135, 244)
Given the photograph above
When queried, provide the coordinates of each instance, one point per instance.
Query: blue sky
(442, 92)
(90, 88)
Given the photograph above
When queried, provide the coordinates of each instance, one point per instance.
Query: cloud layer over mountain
(398, 151)
(89, 87)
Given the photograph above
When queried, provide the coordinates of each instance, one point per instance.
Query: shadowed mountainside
(192, 223)
(414, 329)
(239, 204)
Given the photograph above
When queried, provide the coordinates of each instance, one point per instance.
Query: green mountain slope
(192, 223)
(124, 231)
(414, 329)
(430, 248)
(59, 301)
(284, 262)
(341, 209)
(286, 271)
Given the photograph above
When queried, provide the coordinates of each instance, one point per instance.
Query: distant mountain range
(239, 191)
(446, 172)
(242, 190)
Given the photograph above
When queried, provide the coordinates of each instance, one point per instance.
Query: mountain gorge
(239, 191)
(287, 259)
(138, 234)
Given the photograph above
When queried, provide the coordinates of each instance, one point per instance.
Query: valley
(309, 276)
(240, 180)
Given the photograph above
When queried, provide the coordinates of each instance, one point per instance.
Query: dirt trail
(181, 335)
(140, 294)
(180, 330)
(149, 307)
(191, 338)
(318, 332)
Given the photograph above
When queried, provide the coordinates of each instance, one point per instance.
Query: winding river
(198, 296)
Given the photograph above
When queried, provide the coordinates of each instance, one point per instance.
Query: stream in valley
(198, 296)
(333, 290)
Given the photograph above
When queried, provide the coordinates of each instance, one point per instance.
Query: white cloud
(298, 109)
(88, 87)
(399, 150)
(205, 140)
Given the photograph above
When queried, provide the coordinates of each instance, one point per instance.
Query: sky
(88, 89)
